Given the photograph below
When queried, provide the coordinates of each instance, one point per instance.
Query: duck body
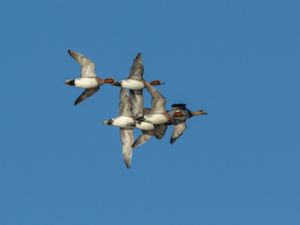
(132, 84)
(157, 118)
(144, 126)
(87, 82)
(121, 121)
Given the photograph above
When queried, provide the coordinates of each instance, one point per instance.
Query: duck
(136, 96)
(148, 131)
(135, 80)
(158, 114)
(88, 79)
(180, 115)
(126, 123)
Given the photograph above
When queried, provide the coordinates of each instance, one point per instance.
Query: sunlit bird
(126, 124)
(180, 115)
(88, 79)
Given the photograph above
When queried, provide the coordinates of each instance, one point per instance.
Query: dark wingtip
(78, 100)
(172, 141)
(178, 104)
(127, 165)
(138, 56)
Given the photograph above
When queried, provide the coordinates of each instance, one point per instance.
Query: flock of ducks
(132, 113)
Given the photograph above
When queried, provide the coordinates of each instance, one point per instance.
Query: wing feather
(137, 68)
(85, 94)
(127, 141)
(160, 130)
(158, 101)
(143, 138)
(179, 129)
(87, 65)
(125, 106)
(137, 101)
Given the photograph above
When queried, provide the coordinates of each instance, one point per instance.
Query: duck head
(109, 81)
(156, 82)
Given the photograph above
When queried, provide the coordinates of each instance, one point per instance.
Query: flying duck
(135, 80)
(158, 114)
(126, 124)
(180, 115)
(88, 79)
(148, 130)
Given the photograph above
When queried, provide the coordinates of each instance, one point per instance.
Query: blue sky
(238, 60)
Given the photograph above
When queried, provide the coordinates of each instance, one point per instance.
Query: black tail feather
(117, 83)
(70, 82)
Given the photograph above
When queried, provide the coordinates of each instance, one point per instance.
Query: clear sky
(238, 60)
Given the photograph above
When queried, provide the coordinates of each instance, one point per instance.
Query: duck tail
(108, 122)
(117, 83)
(70, 82)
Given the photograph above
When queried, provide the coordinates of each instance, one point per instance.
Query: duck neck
(108, 81)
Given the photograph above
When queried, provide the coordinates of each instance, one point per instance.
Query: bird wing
(158, 101)
(125, 106)
(179, 129)
(147, 111)
(127, 141)
(137, 68)
(143, 138)
(178, 106)
(137, 101)
(85, 94)
(160, 130)
(87, 66)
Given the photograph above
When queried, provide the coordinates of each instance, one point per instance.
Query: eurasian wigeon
(158, 114)
(126, 124)
(148, 130)
(88, 79)
(180, 115)
(135, 80)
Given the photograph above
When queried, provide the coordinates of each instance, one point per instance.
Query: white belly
(123, 122)
(144, 126)
(86, 82)
(132, 84)
(156, 118)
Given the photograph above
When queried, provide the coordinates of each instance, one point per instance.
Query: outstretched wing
(127, 141)
(179, 129)
(160, 130)
(178, 106)
(158, 101)
(137, 101)
(137, 68)
(85, 94)
(87, 66)
(125, 106)
(143, 138)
